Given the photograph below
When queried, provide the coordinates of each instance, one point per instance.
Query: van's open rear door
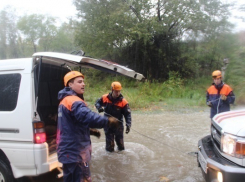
(75, 60)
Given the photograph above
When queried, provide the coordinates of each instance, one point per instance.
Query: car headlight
(233, 145)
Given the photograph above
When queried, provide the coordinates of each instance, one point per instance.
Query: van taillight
(39, 132)
(40, 137)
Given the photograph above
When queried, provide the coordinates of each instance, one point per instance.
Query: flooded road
(158, 148)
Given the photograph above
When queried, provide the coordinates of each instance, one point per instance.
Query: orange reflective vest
(218, 105)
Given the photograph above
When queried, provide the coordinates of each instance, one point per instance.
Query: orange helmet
(116, 86)
(217, 74)
(70, 75)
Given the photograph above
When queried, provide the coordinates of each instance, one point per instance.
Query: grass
(235, 76)
(173, 93)
(145, 95)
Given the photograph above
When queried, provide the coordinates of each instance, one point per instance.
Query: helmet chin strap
(112, 94)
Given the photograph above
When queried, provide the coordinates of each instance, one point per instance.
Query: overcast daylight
(60, 9)
(132, 91)
(65, 9)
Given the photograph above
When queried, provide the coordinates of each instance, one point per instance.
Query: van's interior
(48, 82)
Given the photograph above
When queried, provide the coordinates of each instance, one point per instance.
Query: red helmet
(70, 75)
(217, 74)
(116, 86)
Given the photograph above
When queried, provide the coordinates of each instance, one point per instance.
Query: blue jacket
(213, 95)
(74, 121)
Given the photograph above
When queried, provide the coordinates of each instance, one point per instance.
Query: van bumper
(45, 162)
(28, 159)
(213, 164)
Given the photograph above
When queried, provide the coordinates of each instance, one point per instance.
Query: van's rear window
(9, 91)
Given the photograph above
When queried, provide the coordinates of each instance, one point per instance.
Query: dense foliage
(23, 36)
(155, 37)
(175, 44)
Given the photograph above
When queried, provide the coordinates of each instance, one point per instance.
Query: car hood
(69, 60)
(232, 122)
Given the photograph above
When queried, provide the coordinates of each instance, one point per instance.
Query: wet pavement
(159, 147)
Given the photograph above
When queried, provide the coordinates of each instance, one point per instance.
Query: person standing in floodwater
(219, 95)
(73, 130)
(115, 105)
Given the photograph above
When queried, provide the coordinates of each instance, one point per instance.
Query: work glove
(101, 109)
(223, 97)
(113, 122)
(94, 132)
(209, 103)
(127, 129)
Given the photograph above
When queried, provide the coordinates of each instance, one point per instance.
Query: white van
(28, 109)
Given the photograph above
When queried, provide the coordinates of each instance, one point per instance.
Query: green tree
(3, 35)
(48, 33)
(39, 30)
(8, 34)
(64, 39)
(149, 35)
(31, 27)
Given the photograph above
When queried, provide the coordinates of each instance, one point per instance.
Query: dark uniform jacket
(213, 95)
(116, 107)
(74, 121)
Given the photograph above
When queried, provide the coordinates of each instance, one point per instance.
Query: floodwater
(159, 147)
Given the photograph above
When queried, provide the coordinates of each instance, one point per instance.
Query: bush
(142, 95)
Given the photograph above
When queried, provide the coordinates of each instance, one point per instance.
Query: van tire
(5, 172)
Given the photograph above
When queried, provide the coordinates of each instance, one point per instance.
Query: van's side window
(9, 90)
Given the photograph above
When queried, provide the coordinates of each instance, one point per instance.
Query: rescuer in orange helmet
(219, 95)
(73, 130)
(115, 105)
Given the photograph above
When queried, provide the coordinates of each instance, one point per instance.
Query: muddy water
(157, 149)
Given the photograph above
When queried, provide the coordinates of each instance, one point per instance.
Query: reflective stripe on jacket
(214, 93)
(74, 121)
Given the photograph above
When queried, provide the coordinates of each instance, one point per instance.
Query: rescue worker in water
(73, 131)
(219, 95)
(115, 105)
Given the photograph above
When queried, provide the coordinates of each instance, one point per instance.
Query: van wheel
(5, 172)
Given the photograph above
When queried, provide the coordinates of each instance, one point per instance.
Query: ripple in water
(133, 150)
(106, 166)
